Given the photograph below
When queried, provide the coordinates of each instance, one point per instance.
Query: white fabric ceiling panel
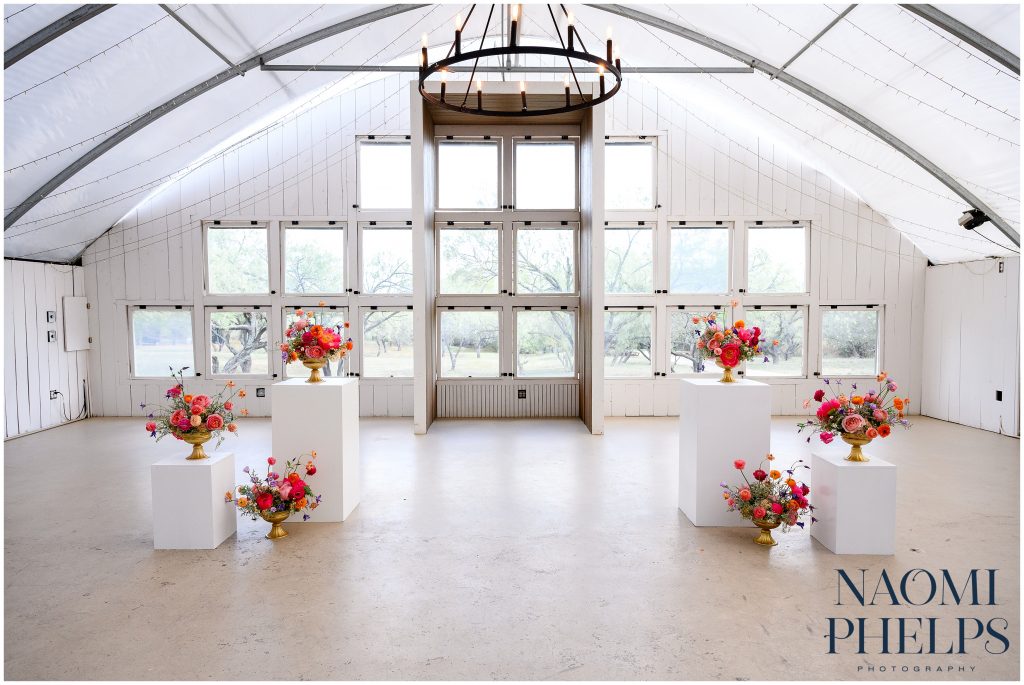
(21, 21)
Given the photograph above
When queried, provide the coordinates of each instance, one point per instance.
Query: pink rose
(286, 489)
(314, 352)
(714, 345)
(745, 334)
(215, 422)
(299, 323)
(853, 423)
(718, 352)
(196, 409)
(201, 400)
(195, 421)
(880, 416)
(178, 416)
(759, 512)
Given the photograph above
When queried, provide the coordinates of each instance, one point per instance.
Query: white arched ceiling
(951, 103)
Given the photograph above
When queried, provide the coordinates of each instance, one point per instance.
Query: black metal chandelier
(463, 102)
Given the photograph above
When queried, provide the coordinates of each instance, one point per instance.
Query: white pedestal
(719, 423)
(322, 417)
(189, 511)
(854, 504)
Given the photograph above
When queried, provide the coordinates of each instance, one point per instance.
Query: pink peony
(299, 324)
(314, 352)
(739, 464)
(853, 423)
(178, 416)
(745, 334)
(826, 437)
(827, 408)
(776, 508)
(196, 409)
(307, 338)
(759, 512)
(201, 400)
(730, 355)
(880, 415)
(214, 422)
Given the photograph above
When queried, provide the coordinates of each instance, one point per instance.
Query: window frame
(805, 362)
(653, 142)
(363, 311)
(211, 309)
(360, 281)
(380, 140)
(219, 224)
(545, 140)
(501, 341)
(518, 226)
(761, 225)
(653, 311)
(576, 341)
(287, 225)
(731, 246)
(498, 143)
(131, 309)
(823, 310)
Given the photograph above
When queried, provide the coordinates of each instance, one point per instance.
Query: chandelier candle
(514, 28)
(522, 93)
(479, 94)
(423, 53)
(569, 29)
(566, 81)
(458, 34)
(608, 45)
(600, 73)
(444, 84)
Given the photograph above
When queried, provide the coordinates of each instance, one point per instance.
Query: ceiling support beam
(185, 96)
(390, 68)
(48, 33)
(965, 33)
(825, 99)
(814, 40)
(202, 40)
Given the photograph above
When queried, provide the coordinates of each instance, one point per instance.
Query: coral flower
(314, 352)
(857, 399)
(881, 377)
(739, 324)
(872, 433)
(898, 403)
(775, 343)
(230, 384)
(271, 461)
(792, 505)
(215, 422)
(241, 393)
(229, 405)
(739, 464)
(696, 319)
(759, 512)
(188, 399)
(791, 483)
(884, 430)
(774, 475)
(150, 427)
(232, 427)
(195, 420)
(348, 345)
(243, 502)
(745, 495)
(730, 355)
(244, 412)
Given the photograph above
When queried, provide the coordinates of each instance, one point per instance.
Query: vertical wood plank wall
(304, 166)
(972, 325)
(32, 366)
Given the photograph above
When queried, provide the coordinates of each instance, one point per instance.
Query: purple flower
(826, 381)
(723, 484)
(273, 510)
(245, 470)
(800, 523)
(305, 517)
(854, 386)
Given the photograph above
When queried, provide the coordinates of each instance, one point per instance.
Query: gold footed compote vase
(196, 438)
(275, 520)
(856, 441)
(727, 376)
(314, 366)
(765, 536)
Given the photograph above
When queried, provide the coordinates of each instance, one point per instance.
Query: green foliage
(469, 261)
(628, 262)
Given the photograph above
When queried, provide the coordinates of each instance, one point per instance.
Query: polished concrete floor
(484, 550)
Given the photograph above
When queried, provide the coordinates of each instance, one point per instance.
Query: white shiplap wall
(32, 366)
(972, 325)
(304, 166)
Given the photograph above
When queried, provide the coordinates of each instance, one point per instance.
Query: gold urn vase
(856, 441)
(275, 520)
(196, 438)
(727, 376)
(765, 536)
(314, 366)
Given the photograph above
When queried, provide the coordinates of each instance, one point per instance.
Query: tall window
(161, 340)
(387, 343)
(470, 343)
(545, 343)
(629, 259)
(776, 259)
(545, 258)
(786, 326)
(683, 355)
(385, 174)
(469, 259)
(468, 174)
(238, 342)
(699, 260)
(314, 259)
(332, 318)
(630, 177)
(545, 174)
(627, 343)
(387, 260)
(849, 341)
(236, 258)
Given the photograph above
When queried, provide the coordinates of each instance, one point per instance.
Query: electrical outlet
(51, 317)
(53, 394)
(522, 393)
(51, 336)
(261, 392)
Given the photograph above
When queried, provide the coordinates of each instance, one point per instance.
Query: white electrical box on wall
(76, 324)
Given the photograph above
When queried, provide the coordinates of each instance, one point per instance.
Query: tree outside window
(314, 260)
(849, 342)
(469, 344)
(787, 327)
(237, 262)
(238, 343)
(627, 343)
(629, 260)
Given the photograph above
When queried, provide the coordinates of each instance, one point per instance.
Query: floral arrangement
(728, 345)
(195, 415)
(773, 498)
(274, 492)
(310, 341)
(870, 414)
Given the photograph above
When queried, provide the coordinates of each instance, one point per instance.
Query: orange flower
(906, 401)
(725, 495)
(313, 453)
(301, 504)
(739, 323)
(775, 343)
(791, 483)
(188, 399)
(898, 403)
(292, 356)
(792, 504)
(243, 502)
(244, 412)
(884, 430)
(227, 496)
(230, 384)
(321, 304)
(881, 377)
(775, 475)
(872, 433)
(857, 399)
(241, 393)
(842, 399)
(316, 330)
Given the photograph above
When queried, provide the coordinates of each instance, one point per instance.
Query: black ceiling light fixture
(972, 218)
(571, 49)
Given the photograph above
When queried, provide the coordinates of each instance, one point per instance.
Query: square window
(314, 259)
(467, 174)
(237, 262)
(629, 175)
(161, 340)
(470, 342)
(334, 318)
(849, 342)
(627, 343)
(545, 343)
(700, 260)
(387, 343)
(545, 259)
(629, 260)
(387, 260)
(385, 174)
(546, 175)
(684, 357)
(777, 259)
(787, 326)
(469, 258)
(238, 343)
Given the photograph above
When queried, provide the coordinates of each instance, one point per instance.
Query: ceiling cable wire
(14, 14)
(958, 44)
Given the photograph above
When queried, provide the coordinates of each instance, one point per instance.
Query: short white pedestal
(322, 417)
(719, 423)
(854, 504)
(189, 511)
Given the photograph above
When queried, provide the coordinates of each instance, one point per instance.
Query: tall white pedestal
(854, 504)
(189, 511)
(718, 424)
(322, 417)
